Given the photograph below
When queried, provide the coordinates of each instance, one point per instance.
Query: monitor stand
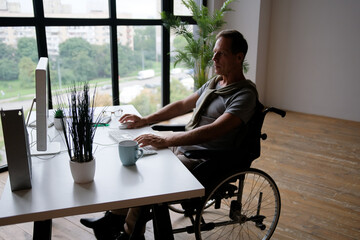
(52, 149)
(50, 120)
(50, 123)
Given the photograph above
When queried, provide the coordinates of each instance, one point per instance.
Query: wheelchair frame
(244, 202)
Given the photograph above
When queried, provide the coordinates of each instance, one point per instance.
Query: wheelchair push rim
(178, 209)
(252, 213)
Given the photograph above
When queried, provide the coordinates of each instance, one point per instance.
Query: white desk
(154, 179)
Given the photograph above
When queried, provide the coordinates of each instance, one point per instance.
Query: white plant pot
(57, 123)
(83, 172)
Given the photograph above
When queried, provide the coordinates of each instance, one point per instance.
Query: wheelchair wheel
(247, 206)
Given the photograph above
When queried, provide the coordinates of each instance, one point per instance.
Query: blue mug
(129, 152)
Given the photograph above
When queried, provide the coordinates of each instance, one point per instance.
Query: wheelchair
(240, 202)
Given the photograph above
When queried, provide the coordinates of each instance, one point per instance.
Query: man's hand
(151, 139)
(133, 121)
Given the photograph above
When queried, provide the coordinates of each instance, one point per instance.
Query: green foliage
(8, 70)
(145, 42)
(8, 63)
(26, 47)
(78, 55)
(16, 63)
(78, 60)
(15, 90)
(7, 52)
(67, 76)
(103, 64)
(198, 52)
(27, 73)
(127, 61)
(178, 91)
(147, 102)
(58, 113)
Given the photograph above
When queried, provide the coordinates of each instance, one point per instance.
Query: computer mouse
(123, 125)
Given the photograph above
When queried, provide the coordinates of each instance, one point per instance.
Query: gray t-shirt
(241, 104)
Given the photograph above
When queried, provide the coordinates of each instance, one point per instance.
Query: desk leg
(42, 230)
(162, 223)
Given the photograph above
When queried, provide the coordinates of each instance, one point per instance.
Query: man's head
(238, 42)
(229, 53)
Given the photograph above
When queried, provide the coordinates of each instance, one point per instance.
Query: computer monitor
(43, 146)
(42, 110)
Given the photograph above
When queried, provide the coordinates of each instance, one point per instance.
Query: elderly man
(221, 106)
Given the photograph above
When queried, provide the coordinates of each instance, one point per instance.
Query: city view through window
(82, 53)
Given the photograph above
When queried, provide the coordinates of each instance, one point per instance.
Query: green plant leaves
(198, 52)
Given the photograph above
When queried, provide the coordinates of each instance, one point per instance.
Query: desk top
(154, 179)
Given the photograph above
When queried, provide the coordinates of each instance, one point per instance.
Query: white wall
(304, 55)
(314, 57)
(245, 19)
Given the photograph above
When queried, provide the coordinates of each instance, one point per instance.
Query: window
(79, 54)
(117, 46)
(76, 9)
(181, 77)
(139, 53)
(18, 58)
(16, 8)
(180, 9)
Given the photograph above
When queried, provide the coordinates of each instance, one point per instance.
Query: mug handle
(139, 153)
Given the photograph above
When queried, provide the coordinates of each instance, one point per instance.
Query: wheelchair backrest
(249, 143)
(248, 149)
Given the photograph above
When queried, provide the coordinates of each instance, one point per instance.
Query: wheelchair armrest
(174, 128)
(207, 154)
(224, 155)
(280, 112)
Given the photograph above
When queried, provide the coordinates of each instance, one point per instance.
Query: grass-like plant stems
(66, 139)
(81, 124)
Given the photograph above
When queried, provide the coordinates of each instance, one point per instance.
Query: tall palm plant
(198, 51)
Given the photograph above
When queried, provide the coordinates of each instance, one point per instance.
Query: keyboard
(119, 136)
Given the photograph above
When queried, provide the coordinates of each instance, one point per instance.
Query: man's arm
(172, 110)
(221, 126)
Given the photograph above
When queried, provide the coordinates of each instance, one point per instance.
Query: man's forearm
(223, 125)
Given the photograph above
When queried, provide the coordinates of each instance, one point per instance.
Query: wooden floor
(314, 160)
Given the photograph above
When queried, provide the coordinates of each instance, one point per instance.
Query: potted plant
(198, 52)
(59, 118)
(82, 126)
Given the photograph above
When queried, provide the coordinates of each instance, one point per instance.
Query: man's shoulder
(250, 87)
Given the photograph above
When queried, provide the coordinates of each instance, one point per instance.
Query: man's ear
(240, 56)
